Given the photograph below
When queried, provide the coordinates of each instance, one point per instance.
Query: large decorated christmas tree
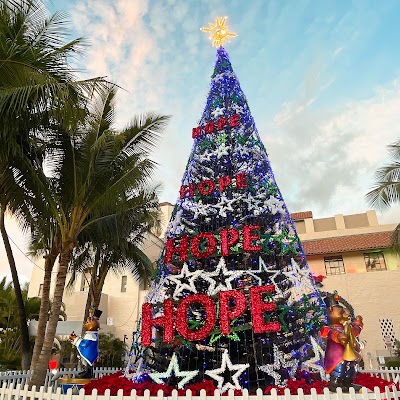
(233, 299)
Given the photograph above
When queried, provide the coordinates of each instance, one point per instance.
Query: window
(40, 290)
(334, 265)
(124, 280)
(85, 282)
(374, 261)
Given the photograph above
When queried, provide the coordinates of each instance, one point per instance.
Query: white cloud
(325, 160)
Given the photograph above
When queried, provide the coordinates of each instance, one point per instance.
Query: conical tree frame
(233, 299)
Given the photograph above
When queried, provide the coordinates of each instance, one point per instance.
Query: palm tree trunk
(23, 323)
(50, 259)
(97, 297)
(87, 307)
(40, 369)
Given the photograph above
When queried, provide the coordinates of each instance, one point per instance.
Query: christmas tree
(233, 299)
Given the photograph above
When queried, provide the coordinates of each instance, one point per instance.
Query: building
(352, 252)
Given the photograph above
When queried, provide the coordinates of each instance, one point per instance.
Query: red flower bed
(116, 381)
(294, 385)
(370, 382)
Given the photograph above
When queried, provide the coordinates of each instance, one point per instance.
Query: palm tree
(10, 338)
(386, 190)
(97, 255)
(37, 88)
(89, 169)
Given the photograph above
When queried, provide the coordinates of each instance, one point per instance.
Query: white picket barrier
(390, 374)
(13, 387)
(13, 378)
(23, 393)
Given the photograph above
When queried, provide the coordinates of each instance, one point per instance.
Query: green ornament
(222, 138)
(241, 139)
(217, 102)
(235, 98)
(264, 244)
(205, 144)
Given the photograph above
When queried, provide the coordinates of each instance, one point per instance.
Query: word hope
(232, 304)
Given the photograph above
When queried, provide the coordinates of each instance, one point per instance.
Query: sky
(322, 79)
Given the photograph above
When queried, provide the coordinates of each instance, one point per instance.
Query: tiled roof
(301, 215)
(342, 244)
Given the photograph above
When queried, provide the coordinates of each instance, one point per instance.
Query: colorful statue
(88, 346)
(342, 349)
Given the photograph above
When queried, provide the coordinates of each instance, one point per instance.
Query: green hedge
(393, 363)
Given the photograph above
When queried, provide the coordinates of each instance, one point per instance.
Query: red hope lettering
(181, 249)
(249, 237)
(258, 307)
(196, 132)
(166, 321)
(186, 190)
(228, 313)
(207, 186)
(232, 304)
(209, 127)
(210, 317)
(229, 237)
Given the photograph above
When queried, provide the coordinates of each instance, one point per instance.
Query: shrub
(393, 363)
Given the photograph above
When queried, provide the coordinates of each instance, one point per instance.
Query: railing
(13, 387)
(22, 393)
(14, 378)
(390, 374)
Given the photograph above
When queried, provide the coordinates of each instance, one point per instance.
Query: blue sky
(322, 79)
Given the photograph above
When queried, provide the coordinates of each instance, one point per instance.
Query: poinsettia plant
(117, 381)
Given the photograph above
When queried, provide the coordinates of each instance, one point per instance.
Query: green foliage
(111, 350)
(67, 352)
(9, 307)
(10, 348)
(10, 340)
(397, 348)
(392, 363)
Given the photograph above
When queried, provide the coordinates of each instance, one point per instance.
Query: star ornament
(181, 286)
(173, 367)
(266, 268)
(217, 285)
(279, 362)
(315, 362)
(219, 31)
(226, 362)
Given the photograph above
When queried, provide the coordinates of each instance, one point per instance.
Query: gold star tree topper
(219, 31)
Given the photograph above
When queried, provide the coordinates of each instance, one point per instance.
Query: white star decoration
(226, 362)
(251, 202)
(224, 205)
(206, 156)
(221, 269)
(222, 150)
(315, 362)
(274, 205)
(262, 267)
(300, 279)
(174, 367)
(197, 208)
(180, 287)
(217, 112)
(279, 362)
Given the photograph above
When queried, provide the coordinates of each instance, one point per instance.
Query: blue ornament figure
(88, 345)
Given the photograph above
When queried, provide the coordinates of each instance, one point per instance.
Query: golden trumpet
(350, 353)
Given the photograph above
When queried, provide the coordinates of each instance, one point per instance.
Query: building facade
(353, 254)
